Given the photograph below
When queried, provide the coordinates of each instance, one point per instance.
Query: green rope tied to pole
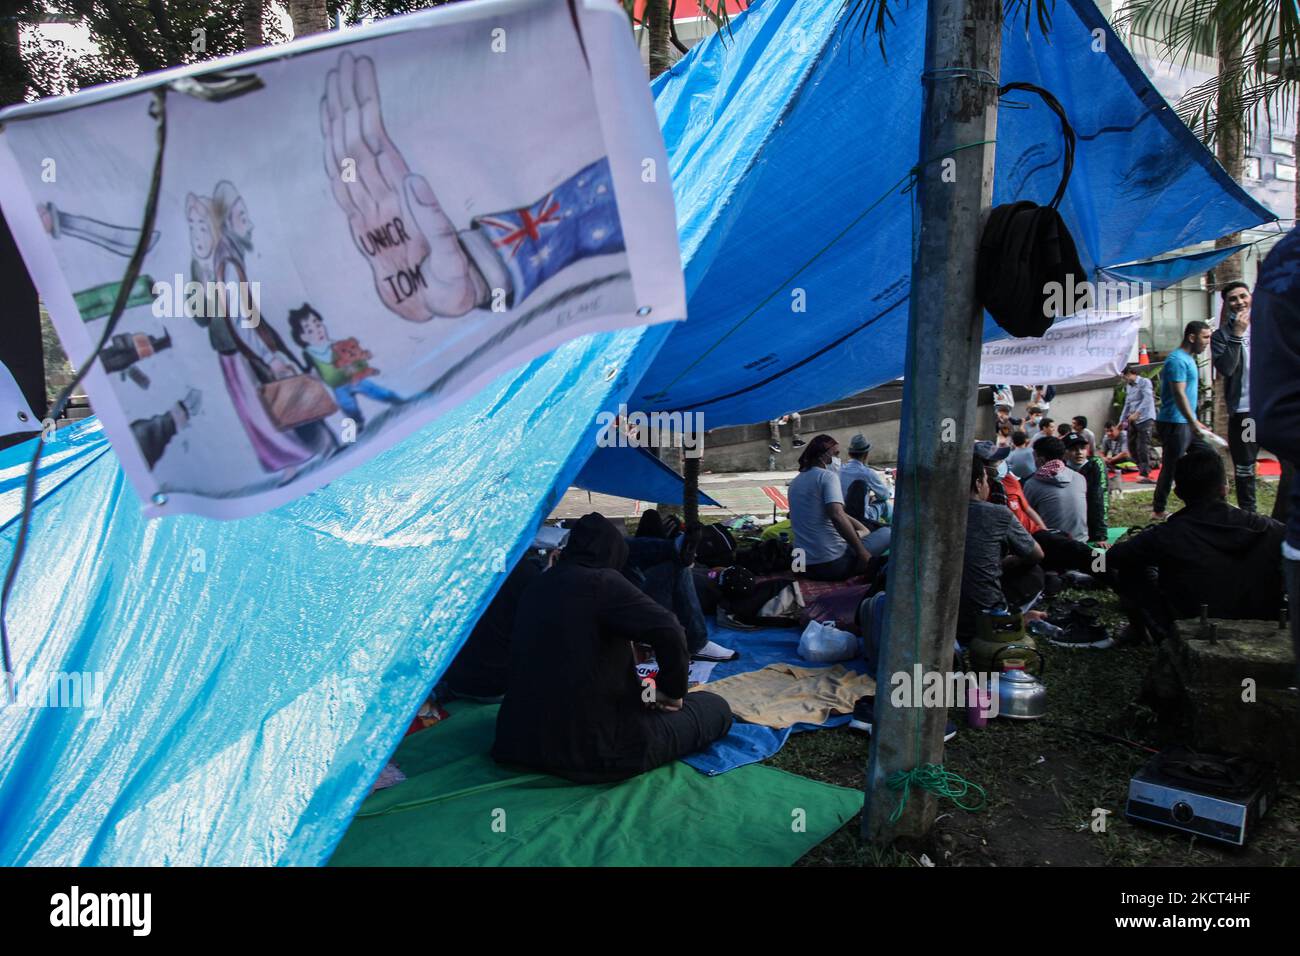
(943, 783)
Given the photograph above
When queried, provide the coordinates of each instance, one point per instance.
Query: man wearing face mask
(834, 546)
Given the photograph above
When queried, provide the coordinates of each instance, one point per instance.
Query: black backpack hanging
(1028, 264)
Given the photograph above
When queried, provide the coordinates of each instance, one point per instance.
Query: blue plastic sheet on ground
(750, 743)
(758, 648)
(744, 744)
(790, 164)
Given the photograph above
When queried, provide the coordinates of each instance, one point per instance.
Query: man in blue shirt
(1176, 423)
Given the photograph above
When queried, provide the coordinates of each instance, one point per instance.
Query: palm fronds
(1258, 59)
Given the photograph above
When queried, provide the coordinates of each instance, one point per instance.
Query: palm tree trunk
(309, 16)
(691, 490)
(658, 26)
(1231, 150)
(1229, 141)
(251, 16)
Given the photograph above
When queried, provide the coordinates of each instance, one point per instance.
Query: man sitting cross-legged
(1207, 553)
(833, 544)
(574, 705)
(996, 542)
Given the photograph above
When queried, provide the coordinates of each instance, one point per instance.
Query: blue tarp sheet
(790, 142)
(258, 673)
(632, 473)
(1162, 273)
(750, 743)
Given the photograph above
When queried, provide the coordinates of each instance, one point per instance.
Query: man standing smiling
(1230, 348)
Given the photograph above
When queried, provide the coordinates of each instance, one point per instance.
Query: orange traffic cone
(1143, 357)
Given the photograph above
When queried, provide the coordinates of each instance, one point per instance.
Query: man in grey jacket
(1137, 418)
(1059, 495)
(1230, 352)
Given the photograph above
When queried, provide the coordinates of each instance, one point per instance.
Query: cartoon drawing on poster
(420, 215)
(119, 240)
(422, 267)
(280, 406)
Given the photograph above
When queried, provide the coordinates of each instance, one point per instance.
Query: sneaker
(724, 619)
(1145, 480)
(1077, 579)
(864, 712)
(775, 447)
(1092, 636)
(1159, 515)
(715, 653)
(799, 442)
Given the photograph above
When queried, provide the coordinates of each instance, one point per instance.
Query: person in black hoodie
(574, 705)
(1207, 553)
(480, 670)
(1275, 390)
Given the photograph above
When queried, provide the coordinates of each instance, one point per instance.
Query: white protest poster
(353, 233)
(1081, 348)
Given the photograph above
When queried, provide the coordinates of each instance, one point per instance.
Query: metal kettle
(1021, 695)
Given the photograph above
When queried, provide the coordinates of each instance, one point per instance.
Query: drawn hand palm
(419, 267)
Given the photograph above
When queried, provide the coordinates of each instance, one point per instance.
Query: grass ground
(1045, 778)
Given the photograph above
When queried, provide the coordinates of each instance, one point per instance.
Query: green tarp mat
(457, 807)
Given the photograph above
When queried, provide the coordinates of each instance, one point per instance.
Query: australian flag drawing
(577, 219)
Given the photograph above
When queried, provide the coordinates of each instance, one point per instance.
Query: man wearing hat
(1079, 456)
(870, 500)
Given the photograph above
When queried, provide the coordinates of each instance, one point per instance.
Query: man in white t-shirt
(832, 544)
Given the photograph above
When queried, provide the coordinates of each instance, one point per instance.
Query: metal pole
(955, 189)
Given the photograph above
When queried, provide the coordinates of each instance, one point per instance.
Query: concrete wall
(876, 415)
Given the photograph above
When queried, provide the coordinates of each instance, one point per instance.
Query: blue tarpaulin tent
(632, 473)
(791, 145)
(256, 674)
